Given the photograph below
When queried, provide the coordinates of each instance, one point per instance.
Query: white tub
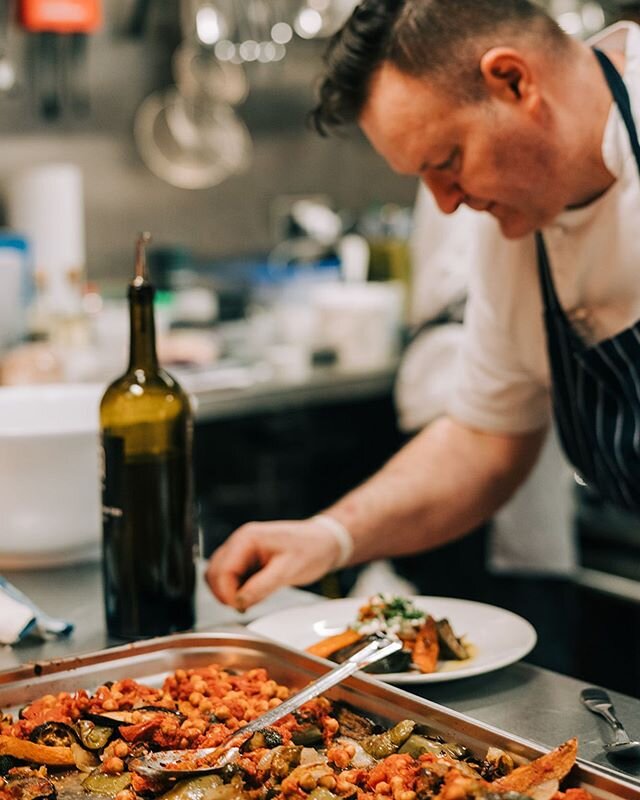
(49, 475)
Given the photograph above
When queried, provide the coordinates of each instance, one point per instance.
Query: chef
(495, 108)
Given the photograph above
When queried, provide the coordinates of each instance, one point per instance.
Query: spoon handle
(599, 702)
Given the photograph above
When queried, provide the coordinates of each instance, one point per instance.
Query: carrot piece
(36, 753)
(325, 647)
(426, 648)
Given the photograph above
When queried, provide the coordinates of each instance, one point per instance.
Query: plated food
(83, 744)
(425, 640)
(494, 636)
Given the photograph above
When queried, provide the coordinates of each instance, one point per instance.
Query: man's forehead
(398, 106)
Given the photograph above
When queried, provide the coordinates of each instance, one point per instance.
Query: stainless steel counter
(534, 703)
(234, 392)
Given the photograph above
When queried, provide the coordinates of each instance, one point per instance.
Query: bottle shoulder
(141, 396)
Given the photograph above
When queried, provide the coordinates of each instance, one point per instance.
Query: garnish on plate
(425, 640)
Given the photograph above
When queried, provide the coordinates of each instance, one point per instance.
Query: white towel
(19, 617)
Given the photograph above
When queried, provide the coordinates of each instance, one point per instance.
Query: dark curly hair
(440, 38)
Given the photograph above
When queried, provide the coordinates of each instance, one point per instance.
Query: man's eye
(448, 164)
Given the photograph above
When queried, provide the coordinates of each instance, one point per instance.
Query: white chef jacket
(502, 377)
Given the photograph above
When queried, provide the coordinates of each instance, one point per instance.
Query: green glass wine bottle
(147, 494)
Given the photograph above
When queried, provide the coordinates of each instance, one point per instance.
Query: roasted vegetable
(92, 736)
(353, 724)
(308, 736)
(27, 784)
(551, 766)
(36, 753)
(207, 787)
(110, 785)
(396, 662)
(320, 793)
(285, 760)
(7, 763)
(417, 745)
(450, 646)
(115, 719)
(54, 734)
(267, 737)
(426, 648)
(325, 647)
(385, 744)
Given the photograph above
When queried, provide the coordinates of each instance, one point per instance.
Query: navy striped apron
(596, 390)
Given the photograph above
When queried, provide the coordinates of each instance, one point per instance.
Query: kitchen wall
(122, 196)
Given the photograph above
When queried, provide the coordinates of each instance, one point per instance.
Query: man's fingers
(275, 574)
(230, 564)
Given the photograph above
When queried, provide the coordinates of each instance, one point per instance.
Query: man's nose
(447, 193)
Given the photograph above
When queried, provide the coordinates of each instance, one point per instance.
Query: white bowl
(49, 475)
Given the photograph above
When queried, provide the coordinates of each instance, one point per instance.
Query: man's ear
(507, 75)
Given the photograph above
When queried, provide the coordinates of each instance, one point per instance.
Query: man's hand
(261, 557)
(445, 482)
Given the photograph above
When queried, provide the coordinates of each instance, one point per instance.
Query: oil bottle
(146, 427)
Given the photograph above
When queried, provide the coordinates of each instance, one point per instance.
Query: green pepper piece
(385, 744)
(308, 736)
(93, 737)
(320, 793)
(110, 785)
(203, 788)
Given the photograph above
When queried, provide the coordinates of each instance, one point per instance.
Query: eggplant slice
(114, 719)
(399, 661)
(450, 646)
(54, 734)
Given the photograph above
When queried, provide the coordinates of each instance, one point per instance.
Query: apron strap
(621, 96)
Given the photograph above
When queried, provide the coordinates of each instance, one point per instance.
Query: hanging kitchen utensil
(7, 67)
(59, 53)
(191, 147)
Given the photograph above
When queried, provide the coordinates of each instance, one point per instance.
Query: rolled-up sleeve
(499, 382)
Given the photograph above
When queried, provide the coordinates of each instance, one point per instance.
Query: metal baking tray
(150, 661)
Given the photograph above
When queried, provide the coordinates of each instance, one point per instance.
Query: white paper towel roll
(46, 203)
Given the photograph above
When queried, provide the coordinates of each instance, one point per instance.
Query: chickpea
(339, 756)
(282, 692)
(222, 713)
(121, 749)
(205, 706)
(110, 705)
(180, 674)
(307, 782)
(113, 766)
(275, 702)
(200, 686)
(125, 794)
(195, 698)
(382, 788)
(345, 787)
(269, 689)
(406, 795)
(327, 782)
(331, 725)
(117, 695)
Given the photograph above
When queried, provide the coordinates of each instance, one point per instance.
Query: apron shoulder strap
(621, 96)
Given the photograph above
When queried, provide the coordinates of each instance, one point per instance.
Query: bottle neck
(142, 347)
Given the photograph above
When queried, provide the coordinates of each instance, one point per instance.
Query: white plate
(498, 637)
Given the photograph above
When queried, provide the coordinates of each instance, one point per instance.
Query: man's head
(456, 92)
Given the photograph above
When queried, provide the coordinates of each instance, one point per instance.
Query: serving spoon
(599, 702)
(187, 763)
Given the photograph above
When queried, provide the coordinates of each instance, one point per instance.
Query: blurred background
(290, 289)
